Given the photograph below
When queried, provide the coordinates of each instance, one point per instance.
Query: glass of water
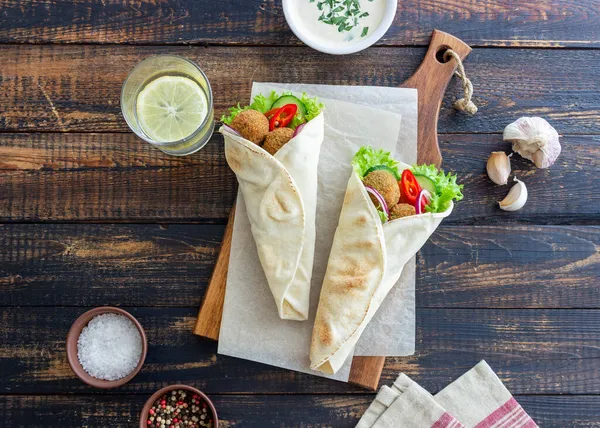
(167, 101)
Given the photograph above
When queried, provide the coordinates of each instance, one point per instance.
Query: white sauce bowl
(308, 36)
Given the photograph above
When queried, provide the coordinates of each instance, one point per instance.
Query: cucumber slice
(384, 168)
(426, 183)
(290, 99)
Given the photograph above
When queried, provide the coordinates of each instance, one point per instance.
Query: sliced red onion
(423, 194)
(230, 129)
(379, 198)
(298, 129)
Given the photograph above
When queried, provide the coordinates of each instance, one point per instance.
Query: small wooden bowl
(73, 359)
(166, 389)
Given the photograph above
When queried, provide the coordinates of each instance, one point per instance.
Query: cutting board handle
(431, 80)
(211, 311)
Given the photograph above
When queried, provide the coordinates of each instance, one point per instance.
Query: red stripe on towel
(509, 415)
(447, 421)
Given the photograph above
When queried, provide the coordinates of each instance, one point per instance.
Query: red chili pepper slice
(409, 187)
(282, 117)
(271, 112)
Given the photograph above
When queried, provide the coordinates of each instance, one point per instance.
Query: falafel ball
(252, 125)
(277, 138)
(385, 183)
(402, 210)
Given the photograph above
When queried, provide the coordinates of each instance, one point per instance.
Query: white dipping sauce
(328, 34)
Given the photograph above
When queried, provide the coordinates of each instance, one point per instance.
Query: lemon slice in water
(171, 108)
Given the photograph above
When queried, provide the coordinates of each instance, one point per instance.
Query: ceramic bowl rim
(391, 7)
(71, 346)
(169, 388)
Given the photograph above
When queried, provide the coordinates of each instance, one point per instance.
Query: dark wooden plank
(116, 177)
(563, 411)
(552, 23)
(108, 177)
(260, 411)
(531, 350)
(150, 265)
(510, 267)
(534, 351)
(71, 265)
(77, 88)
(87, 151)
(555, 191)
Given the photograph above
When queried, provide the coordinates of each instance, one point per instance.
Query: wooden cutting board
(431, 80)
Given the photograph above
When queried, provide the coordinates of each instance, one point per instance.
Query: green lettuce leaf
(367, 157)
(447, 187)
(383, 216)
(312, 105)
(233, 112)
(259, 103)
(263, 104)
(313, 108)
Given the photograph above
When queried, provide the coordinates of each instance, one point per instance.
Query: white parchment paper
(251, 328)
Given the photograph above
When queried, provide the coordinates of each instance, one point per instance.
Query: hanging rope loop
(464, 104)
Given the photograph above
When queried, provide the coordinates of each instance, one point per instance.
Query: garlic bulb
(516, 198)
(498, 167)
(534, 139)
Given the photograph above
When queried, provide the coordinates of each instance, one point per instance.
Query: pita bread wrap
(365, 262)
(280, 193)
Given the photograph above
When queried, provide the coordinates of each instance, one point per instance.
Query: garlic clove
(516, 198)
(498, 167)
(534, 139)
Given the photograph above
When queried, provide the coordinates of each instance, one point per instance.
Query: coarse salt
(109, 347)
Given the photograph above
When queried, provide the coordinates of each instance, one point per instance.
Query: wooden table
(93, 216)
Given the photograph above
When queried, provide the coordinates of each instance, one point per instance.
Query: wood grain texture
(365, 372)
(431, 80)
(477, 267)
(554, 191)
(116, 177)
(97, 265)
(210, 315)
(552, 23)
(77, 88)
(150, 265)
(264, 411)
(534, 351)
(103, 177)
(510, 267)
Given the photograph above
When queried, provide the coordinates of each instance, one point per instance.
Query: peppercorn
(179, 410)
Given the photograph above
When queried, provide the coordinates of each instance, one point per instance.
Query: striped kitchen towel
(406, 404)
(477, 399)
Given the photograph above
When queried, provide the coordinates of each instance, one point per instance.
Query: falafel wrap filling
(367, 255)
(279, 190)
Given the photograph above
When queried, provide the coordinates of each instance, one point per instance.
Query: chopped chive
(345, 14)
